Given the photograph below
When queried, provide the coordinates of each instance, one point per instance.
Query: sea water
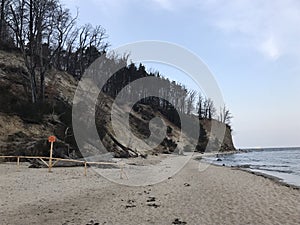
(283, 163)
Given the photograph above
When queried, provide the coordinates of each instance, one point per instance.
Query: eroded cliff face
(24, 127)
(220, 135)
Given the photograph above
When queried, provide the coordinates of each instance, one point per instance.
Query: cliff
(24, 127)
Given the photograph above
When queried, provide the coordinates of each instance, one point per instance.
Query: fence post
(51, 139)
(50, 159)
(85, 169)
(18, 163)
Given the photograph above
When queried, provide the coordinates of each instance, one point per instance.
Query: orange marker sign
(51, 138)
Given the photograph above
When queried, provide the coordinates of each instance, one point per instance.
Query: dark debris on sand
(178, 221)
(92, 222)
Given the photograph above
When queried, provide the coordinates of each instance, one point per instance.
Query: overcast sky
(251, 46)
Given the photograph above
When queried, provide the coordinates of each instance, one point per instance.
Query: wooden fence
(85, 163)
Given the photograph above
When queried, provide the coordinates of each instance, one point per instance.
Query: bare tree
(181, 94)
(27, 23)
(209, 109)
(91, 45)
(2, 18)
(200, 106)
(16, 21)
(70, 47)
(190, 101)
(6, 37)
(41, 28)
(59, 33)
(225, 115)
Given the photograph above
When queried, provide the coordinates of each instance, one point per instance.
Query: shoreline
(267, 175)
(198, 157)
(275, 179)
(154, 160)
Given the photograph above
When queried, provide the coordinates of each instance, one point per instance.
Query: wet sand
(215, 195)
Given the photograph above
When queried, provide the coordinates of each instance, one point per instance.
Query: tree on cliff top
(45, 33)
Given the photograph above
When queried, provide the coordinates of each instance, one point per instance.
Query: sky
(251, 47)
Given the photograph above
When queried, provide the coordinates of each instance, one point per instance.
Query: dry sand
(217, 195)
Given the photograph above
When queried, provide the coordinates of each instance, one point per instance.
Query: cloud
(175, 5)
(270, 49)
(270, 26)
(165, 4)
(109, 6)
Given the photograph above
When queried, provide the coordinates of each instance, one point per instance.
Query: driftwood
(127, 152)
(37, 163)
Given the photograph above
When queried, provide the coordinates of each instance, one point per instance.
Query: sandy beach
(216, 195)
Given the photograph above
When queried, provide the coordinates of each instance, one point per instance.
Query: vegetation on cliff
(44, 55)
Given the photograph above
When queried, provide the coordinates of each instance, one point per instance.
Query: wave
(283, 163)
